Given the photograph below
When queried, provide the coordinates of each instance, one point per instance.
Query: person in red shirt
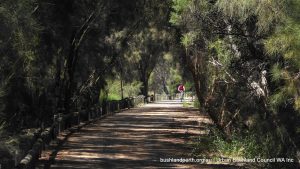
(181, 89)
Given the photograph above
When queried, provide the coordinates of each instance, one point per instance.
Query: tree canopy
(240, 58)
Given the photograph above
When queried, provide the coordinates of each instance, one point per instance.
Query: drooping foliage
(244, 56)
(57, 55)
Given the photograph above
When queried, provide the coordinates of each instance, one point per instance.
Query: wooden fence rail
(187, 95)
(27, 158)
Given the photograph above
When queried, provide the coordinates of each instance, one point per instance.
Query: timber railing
(27, 158)
(187, 96)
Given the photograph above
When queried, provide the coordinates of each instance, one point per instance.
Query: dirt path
(137, 138)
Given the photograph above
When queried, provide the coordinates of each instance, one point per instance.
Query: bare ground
(136, 138)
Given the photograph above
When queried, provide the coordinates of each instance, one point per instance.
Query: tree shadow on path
(136, 138)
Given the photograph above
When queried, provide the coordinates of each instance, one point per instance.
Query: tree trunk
(144, 88)
(72, 59)
(197, 66)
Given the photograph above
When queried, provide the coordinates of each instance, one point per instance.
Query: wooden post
(92, 113)
(114, 106)
(108, 107)
(128, 103)
(111, 107)
(97, 111)
(118, 106)
(133, 101)
(100, 111)
(55, 125)
(59, 122)
(78, 118)
(122, 92)
(16, 159)
(77, 114)
(42, 126)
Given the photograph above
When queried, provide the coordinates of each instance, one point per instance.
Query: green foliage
(248, 146)
(2, 127)
(196, 103)
(178, 6)
(245, 147)
(174, 80)
(146, 48)
(223, 52)
(132, 89)
(40, 71)
(267, 12)
(187, 104)
(166, 75)
(19, 40)
(189, 86)
(276, 72)
(277, 99)
(222, 56)
(286, 42)
(113, 96)
(233, 46)
(113, 90)
(102, 96)
(188, 39)
(283, 95)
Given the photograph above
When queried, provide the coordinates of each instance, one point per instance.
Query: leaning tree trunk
(197, 66)
(72, 59)
(198, 62)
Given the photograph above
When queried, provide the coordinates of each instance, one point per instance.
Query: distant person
(181, 89)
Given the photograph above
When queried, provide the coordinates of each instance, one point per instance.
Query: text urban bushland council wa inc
(227, 160)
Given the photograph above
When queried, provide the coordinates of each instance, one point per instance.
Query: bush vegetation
(240, 57)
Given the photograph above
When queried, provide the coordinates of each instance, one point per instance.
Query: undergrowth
(242, 146)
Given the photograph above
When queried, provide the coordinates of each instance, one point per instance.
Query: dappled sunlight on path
(136, 138)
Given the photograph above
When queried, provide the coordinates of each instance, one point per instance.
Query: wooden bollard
(76, 114)
(108, 107)
(128, 103)
(16, 158)
(60, 118)
(91, 114)
(55, 123)
(118, 106)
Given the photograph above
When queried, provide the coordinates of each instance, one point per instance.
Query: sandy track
(136, 138)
